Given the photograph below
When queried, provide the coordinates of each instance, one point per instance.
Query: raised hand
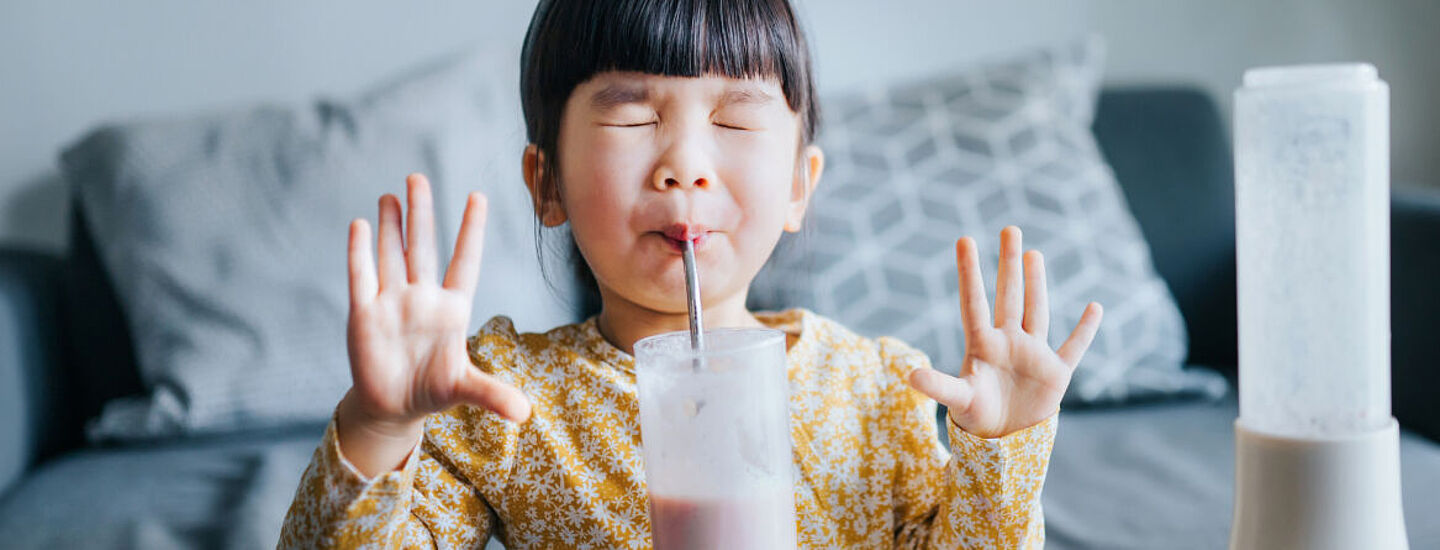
(1010, 378)
(406, 332)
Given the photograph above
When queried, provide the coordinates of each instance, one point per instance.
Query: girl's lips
(678, 245)
(682, 231)
(677, 233)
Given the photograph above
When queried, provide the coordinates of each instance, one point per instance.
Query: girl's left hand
(1010, 379)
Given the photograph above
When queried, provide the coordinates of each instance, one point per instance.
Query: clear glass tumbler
(715, 425)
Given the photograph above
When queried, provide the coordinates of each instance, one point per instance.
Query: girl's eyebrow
(744, 95)
(615, 95)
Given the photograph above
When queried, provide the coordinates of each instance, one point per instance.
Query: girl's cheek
(595, 170)
(616, 159)
(764, 171)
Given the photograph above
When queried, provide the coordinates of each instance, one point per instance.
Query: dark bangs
(570, 41)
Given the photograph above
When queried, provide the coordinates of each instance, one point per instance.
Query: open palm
(1010, 379)
(406, 333)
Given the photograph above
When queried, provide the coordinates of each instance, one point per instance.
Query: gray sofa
(1144, 475)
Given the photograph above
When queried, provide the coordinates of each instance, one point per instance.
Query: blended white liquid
(1312, 231)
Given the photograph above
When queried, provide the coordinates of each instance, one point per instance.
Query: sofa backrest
(1167, 146)
(1171, 154)
(99, 356)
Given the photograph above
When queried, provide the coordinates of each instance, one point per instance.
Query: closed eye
(729, 127)
(634, 125)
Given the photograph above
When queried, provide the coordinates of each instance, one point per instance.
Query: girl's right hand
(406, 333)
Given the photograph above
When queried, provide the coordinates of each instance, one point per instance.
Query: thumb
(954, 393)
(486, 391)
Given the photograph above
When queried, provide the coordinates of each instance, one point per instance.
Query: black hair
(570, 41)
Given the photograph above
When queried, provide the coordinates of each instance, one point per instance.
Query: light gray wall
(1213, 42)
(66, 65)
(69, 64)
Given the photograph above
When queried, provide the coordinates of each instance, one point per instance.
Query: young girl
(652, 123)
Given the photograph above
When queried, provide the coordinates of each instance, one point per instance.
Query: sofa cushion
(1162, 475)
(224, 234)
(209, 492)
(913, 166)
(1146, 476)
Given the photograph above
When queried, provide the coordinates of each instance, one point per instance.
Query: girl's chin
(665, 291)
(658, 271)
(654, 299)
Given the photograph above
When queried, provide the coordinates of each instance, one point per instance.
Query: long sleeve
(993, 496)
(422, 504)
(984, 495)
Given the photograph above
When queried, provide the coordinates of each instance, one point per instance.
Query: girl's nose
(686, 162)
(665, 180)
(671, 183)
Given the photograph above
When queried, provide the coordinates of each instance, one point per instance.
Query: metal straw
(692, 294)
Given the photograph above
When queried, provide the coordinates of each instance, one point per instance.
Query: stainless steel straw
(692, 294)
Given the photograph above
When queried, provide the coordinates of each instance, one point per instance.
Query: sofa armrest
(1415, 308)
(29, 357)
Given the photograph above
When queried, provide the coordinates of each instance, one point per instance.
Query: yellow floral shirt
(871, 471)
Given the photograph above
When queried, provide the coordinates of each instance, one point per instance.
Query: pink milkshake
(760, 522)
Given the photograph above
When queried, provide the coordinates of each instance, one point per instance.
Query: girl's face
(647, 161)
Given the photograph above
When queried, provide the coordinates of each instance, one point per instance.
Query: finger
(974, 307)
(391, 245)
(363, 284)
(420, 232)
(1008, 284)
(954, 393)
(1037, 301)
(483, 390)
(464, 268)
(1079, 341)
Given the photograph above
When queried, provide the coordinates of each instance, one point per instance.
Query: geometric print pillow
(912, 167)
(224, 235)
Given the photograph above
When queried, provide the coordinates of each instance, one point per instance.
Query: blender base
(1337, 492)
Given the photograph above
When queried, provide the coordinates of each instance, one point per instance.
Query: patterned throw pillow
(912, 167)
(225, 234)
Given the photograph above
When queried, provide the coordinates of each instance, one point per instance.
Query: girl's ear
(544, 199)
(807, 175)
